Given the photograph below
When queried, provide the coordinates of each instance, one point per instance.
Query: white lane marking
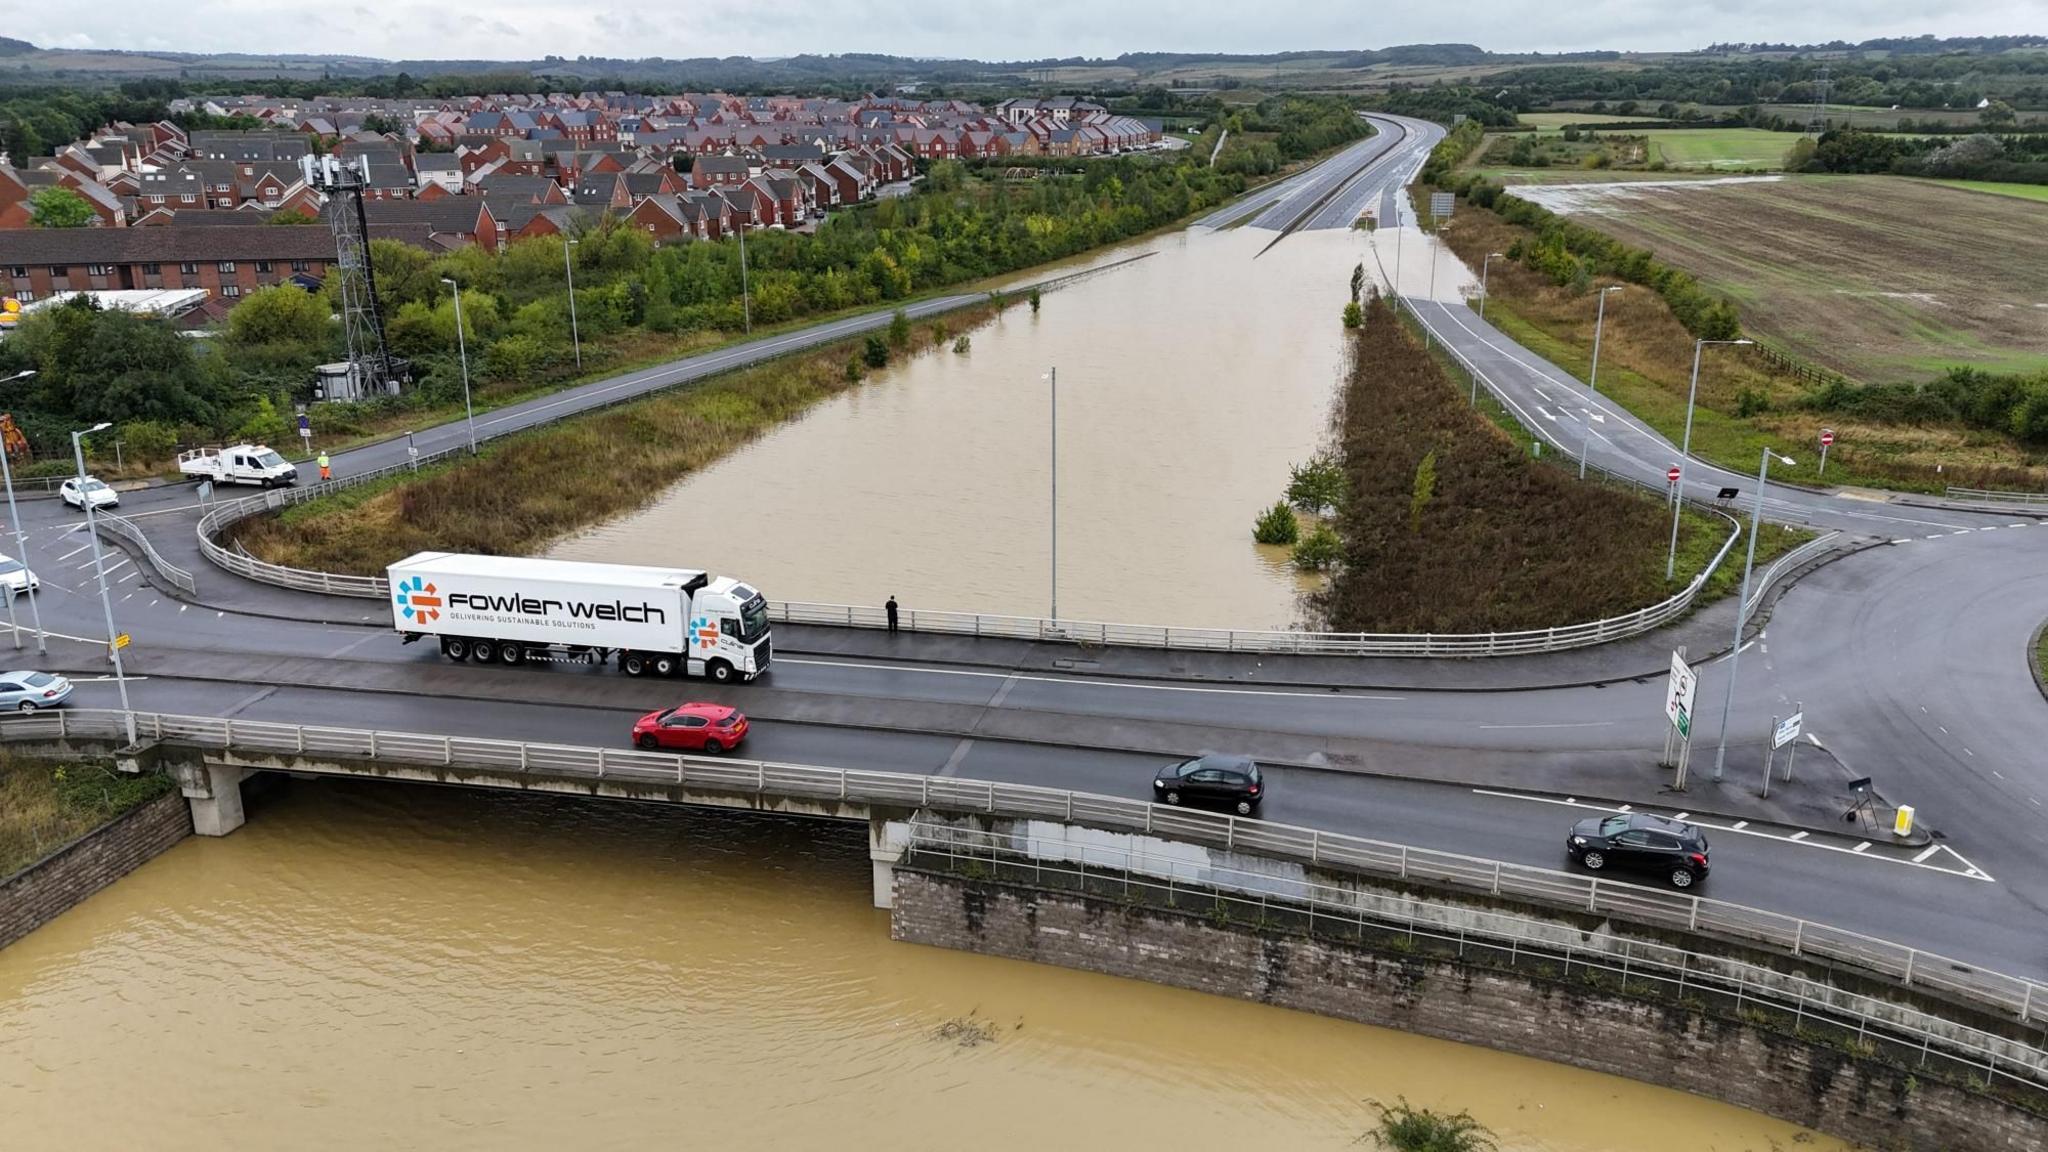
(1960, 532)
(1581, 724)
(105, 679)
(1081, 681)
(1922, 857)
(1997, 773)
(1944, 731)
(1971, 871)
(1936, 536)
(73, 552)
(1861, 846)
(1988, 528)
(1681, 815)
(1903, 540)
(2015, 525)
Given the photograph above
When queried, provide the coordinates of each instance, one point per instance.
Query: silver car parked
(27, 691)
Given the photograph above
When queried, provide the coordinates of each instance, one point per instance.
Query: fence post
(600, 763)
(1404, 861)
(1070, 806)
(1907, 979)
(1315, 847)
(447, 750)
(2027, 1003)
(1798, 934)
(1692, 923)
(373, 744)
(760, 776)
(1592, 895)
(299, 743)
(63, 728)
(1496, 877)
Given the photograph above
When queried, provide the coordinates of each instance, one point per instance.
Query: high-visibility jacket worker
(325, 472)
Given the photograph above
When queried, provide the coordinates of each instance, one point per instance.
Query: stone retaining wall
(1812, 1084)
(53, 885)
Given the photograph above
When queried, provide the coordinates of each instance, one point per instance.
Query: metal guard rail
(1176, 881)
(2024, 1000)
(2007, 499)
(999, 626)
(125, 530)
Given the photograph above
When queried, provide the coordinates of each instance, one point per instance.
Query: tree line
(2021, 158)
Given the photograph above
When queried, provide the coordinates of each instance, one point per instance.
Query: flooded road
(1188, 383)
(400, 966)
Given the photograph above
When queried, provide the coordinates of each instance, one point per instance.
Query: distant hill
(16, 47)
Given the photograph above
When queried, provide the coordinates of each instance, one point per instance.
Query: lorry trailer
(515, 610)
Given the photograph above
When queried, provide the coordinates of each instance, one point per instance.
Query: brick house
(718, 172)
(227, 261)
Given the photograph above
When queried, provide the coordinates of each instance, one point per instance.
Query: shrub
(1752, 402)
(899, 330)
(1277, 525)
(961, 345)
(1405, 1128)
(1353, 315)
(1318, 551)
(875, 352)
(1034, 299)
(1318, 485)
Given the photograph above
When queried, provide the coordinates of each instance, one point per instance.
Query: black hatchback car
(1640, 842)
(1230, 781)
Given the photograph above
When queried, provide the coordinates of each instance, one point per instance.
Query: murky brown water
(1188, 382)
(395, 966)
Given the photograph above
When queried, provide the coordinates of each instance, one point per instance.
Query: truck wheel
(664, 665)
(455, 648)
(720, 671)
(512, 654)
(483, 651)
(634, 665)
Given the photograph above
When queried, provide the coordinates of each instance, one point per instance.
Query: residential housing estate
(179, 209)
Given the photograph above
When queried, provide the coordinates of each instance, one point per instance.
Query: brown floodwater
(397, 966)
(1188, 382)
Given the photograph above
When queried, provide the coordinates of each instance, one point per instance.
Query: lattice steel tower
(1817, 120)
(372, 368)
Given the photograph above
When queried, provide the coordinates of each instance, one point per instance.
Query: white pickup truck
(240, 464)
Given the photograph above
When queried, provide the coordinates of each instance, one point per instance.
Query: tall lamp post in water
(1756, 517)
(1685, 452)
(21, 545)
(1052, 380)
(1599, 322)
(99, 566)
(569, 271)
(462, 347)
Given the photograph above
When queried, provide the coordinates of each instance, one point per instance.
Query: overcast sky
(982, 29)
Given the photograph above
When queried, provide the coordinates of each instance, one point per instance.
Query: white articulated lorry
(511, 610)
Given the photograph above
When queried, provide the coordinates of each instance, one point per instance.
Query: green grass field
(1552, 121)
(1720, 147)
(2023, 191)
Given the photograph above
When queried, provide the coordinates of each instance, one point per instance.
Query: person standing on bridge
(326, 473)
(890, 609)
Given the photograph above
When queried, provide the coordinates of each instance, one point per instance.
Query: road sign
(205, 489)
(1441, 205)
(1827, 437)
(1787, 731)
(1672, 474)
(1678, 696)
(121, 641)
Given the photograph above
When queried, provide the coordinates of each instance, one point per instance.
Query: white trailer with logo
(514, 610)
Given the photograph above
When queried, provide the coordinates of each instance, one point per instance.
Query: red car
(687, 727)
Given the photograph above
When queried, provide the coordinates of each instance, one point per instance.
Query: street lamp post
(21, 546)
(746, 306)
(99, 566)
(1052, 380)
(1685, 453)
(1599, 322)
(1483, 267)
(1756, 517)
(569, 271)
(462, 347)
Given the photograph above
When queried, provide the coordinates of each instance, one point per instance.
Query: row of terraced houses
(175, 209)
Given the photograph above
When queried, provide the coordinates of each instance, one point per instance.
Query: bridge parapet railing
(2020, 999)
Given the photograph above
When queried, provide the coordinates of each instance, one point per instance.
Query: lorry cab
(728, 631)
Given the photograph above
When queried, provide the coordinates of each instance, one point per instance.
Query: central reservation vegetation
(1449, 525)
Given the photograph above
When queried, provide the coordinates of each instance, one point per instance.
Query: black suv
(1232, 781)
(1641, 842)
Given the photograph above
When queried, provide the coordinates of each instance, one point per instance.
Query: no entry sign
(1827, 437)
(1671, 476)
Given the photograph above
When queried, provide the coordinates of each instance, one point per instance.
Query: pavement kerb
(1919, 839)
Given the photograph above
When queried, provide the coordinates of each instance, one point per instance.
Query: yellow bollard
(1902, 825)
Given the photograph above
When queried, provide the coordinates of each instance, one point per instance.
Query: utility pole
(1599, 323)
(569, 271)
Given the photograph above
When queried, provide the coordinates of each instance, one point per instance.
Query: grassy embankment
(1499, 541)
(44, 806)
(1806, 276)
(525, 490)
(2041, 655)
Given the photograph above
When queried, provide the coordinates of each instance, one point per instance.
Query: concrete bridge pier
(886, 842)
(215, 793)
